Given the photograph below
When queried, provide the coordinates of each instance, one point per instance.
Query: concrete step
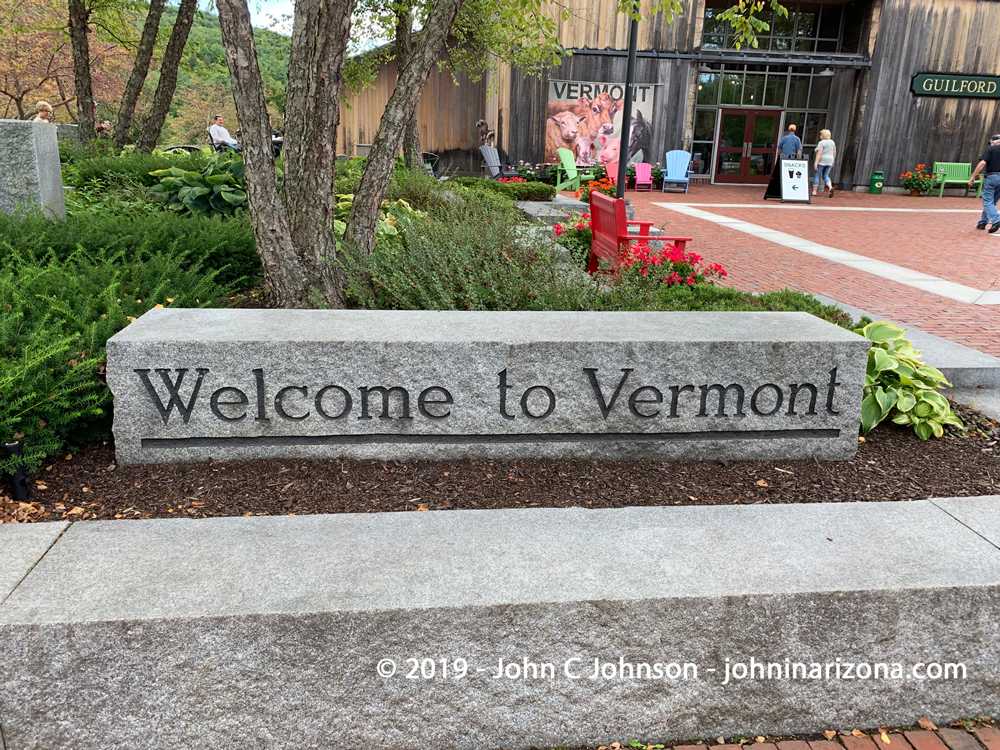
(333, 630)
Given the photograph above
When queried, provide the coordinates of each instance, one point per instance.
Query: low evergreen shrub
(471, 254)
(227, 247)
(133, 165)
(57, 315)
(519, 191)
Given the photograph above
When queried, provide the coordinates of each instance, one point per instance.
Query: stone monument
(31, 174)
(199, 384)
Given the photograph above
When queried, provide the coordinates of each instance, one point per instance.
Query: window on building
(708, 88)
(809, 27)
(704, 137)
(798, 90)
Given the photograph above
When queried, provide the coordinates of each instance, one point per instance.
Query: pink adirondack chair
(643, 176)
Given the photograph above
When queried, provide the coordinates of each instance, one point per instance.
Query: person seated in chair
(220, 136)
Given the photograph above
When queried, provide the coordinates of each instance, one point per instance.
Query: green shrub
(123, 197)
(519, 191)
(218, 189)
(897, 383)
(224, 246)
(72, 152)
(417, 188)
(576, 236)
(58, 314)
(471, 254)
(135, 166)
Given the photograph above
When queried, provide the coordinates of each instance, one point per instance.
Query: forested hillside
(203, 87)
(36, 63)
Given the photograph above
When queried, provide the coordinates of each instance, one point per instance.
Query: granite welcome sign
(225, 384)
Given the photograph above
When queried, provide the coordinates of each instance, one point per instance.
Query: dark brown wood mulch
(891, 464)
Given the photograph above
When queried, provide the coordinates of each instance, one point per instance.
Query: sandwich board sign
(795, 181)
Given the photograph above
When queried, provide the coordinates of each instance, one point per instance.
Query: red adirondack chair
(609, 225)
(611, 169)
(644, 176)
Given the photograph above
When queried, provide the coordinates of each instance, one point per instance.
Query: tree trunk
(139, 70)
(399, 111)
(312, 116)
(79, 20)
(412, 156)
(168, 75)
(274, 245)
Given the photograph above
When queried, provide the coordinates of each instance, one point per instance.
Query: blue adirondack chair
(676, 171)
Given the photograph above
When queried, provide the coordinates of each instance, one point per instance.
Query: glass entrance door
(747, 142)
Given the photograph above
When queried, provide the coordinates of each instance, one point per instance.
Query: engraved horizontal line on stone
(555, 437)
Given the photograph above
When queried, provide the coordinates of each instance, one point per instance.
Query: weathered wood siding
(446, 117)
(597, 24)
(529, 98)
(901, 130)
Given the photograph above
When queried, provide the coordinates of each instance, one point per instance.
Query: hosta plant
(900, 385)
(387, 227)
(217, 189)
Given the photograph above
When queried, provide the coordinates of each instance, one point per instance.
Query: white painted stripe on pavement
(810, 207)
(899, 274)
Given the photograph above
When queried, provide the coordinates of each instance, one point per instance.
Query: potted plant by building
(918, 180)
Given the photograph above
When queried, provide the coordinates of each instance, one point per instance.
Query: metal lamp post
(633, 43)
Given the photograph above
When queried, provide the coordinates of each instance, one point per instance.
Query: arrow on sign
(795, 187)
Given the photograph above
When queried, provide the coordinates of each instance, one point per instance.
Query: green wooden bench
(946, 172)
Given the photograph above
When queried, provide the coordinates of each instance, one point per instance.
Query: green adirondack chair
(568, 175)
(946, 172)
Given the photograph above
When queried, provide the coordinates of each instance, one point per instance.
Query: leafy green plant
(387, 228)
(918, 179)
(519, 191)
(415, 186)
(226, 247)
(123, 197)
(577, 236)
(134, 165)
(897, 383)
(57, 315)
(218, 189)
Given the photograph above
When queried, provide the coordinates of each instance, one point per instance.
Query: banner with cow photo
(586, 118)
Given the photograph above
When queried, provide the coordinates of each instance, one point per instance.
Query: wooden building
(854, 67)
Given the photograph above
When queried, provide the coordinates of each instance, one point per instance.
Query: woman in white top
(44, 110)
(826, 156)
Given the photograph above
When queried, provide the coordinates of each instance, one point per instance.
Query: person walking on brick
(826, 156)
(790, 147)
(990, 163)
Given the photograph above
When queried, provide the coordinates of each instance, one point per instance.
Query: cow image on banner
(586, 118)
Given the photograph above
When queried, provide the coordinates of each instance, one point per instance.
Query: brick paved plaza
(930, 235)
(943, 739)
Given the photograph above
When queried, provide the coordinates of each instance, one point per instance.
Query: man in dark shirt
(989, 163)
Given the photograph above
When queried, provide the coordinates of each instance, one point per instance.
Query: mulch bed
(891, 464)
